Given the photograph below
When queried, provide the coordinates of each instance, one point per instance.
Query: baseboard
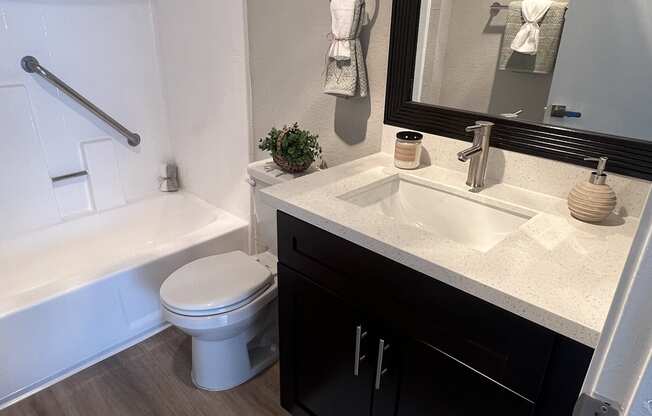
(62, 375)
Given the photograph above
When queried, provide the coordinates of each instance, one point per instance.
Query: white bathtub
(82, 290)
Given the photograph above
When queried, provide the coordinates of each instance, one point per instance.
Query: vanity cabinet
(434, 383)
(363, 335)
(324, 329)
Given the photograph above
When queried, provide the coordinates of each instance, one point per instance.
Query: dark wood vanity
(363, 335)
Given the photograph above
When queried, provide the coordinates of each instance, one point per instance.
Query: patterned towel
(348, 77)
(549, 36)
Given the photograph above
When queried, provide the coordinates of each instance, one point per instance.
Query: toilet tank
(265, 173)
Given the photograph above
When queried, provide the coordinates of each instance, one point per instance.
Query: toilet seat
(216, 311)
(224, 323)
(215, 285)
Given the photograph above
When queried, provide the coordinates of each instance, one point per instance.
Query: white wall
(106, 50)
(203, 48)
(176, 72)
(618, 368)
(433, 39)
(641, 404)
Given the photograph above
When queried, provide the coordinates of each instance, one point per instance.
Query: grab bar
(69, 176)
(32, 66)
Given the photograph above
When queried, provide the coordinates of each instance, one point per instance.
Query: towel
(527, 39)
(550, 30)
(342, 13)
(346, 71)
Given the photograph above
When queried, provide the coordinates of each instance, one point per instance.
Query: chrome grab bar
(32, 66)
(69, 176)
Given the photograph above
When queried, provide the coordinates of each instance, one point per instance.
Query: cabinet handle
(380, 371)
(359, 335)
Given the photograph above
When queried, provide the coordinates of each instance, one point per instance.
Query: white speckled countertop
(553, 270)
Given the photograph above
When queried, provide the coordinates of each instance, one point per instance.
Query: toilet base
(264, 366)
(219, 365)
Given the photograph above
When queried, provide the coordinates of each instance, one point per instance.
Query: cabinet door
(325, 364)
(429, 382)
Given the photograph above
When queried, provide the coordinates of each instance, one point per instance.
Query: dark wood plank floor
(151, 378)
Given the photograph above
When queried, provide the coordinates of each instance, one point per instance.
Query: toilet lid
(214, 284)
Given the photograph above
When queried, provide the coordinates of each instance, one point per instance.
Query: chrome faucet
(478, 154)
(169, 179)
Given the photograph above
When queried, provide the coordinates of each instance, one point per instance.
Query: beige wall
(287, 40)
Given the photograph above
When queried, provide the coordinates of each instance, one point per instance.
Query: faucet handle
(479, 125)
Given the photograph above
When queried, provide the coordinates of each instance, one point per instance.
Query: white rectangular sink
(476, 222)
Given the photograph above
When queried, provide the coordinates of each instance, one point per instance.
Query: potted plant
(292, 149)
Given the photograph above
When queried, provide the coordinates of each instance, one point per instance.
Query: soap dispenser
(594, 200)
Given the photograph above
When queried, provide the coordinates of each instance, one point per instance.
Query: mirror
(592, 57)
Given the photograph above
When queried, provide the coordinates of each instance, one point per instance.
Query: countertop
(553, 270)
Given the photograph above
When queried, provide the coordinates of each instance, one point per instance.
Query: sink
(469, 219)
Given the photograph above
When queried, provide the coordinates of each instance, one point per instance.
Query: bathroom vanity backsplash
(537, 174)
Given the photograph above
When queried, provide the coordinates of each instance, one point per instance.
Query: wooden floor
(151, 378)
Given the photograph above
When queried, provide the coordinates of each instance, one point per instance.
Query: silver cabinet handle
(359, 335)
(379, 366)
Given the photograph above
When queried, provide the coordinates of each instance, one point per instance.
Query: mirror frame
(627, 156)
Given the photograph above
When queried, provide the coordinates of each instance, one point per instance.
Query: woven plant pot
(283, 162)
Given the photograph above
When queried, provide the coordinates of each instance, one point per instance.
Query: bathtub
(80, 291)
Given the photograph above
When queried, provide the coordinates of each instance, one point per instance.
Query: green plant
(298, 147)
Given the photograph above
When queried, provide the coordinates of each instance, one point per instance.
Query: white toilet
(227, 303)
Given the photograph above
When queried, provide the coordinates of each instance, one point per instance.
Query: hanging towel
(346, 71)
(550, 30)
(527, 38)
(342, 14)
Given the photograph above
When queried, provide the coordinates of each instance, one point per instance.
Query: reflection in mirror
(484, 56)
(466, 61)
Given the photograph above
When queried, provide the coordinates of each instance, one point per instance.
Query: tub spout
(169, 178)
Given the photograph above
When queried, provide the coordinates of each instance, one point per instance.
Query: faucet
(478, 154)
(169, 179)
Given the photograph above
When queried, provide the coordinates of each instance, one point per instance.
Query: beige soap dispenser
(594, 200)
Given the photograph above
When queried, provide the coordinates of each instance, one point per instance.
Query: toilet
(227, 303)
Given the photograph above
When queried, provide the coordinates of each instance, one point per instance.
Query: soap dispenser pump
(594, 200)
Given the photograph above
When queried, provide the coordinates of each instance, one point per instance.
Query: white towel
(346, 72)
(342, 12)
(527, 39)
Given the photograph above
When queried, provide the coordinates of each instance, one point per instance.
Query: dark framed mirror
(452, 62)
